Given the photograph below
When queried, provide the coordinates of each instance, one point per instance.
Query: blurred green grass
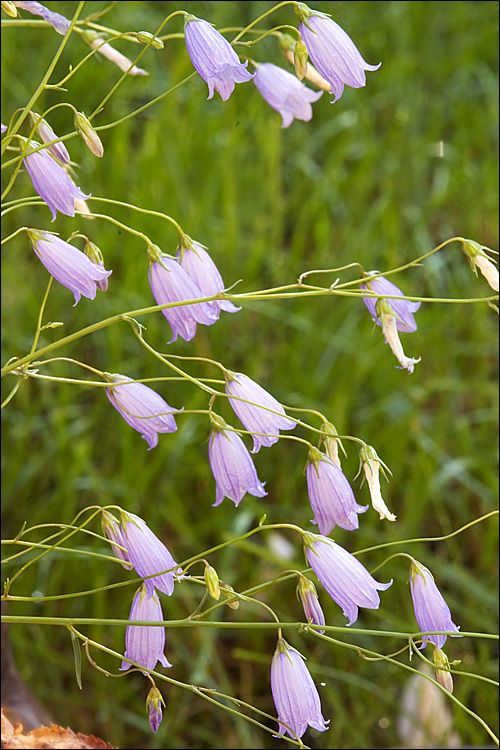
(363, 182)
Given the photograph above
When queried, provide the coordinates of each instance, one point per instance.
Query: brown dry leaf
(48, 737)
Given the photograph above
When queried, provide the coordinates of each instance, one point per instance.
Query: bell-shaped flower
(479, 259)
(68, 265)
(171, 284)
(347, 581)
(145, 644)
(431, 610)
(59, 22)
(306, 590)
(232, 466)
(256, 409)
(370, 463)
(141, 407)
(213, 57)
(285, 93)
(332, 51)
(147, 554)
(52, 183)
(389, 323)
(403, 308)
(58, 150)
(200, 267)
(330, 495)
(295, 695)
(153, 706)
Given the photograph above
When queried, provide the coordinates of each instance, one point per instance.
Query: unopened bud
(331, 442)
(228, 592)
(300, 59)
(95, 255)
(443, 676)
(212, 582)
(10, 9)
(145, 38)
(153, 706)
(88, 134)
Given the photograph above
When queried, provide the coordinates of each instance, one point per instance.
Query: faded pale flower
(477, 258)
(60, 23)
(288, 45)
(390, 331)
(145, 644)
(92, 39)
(258, 411)
(213, 57)
(170, 284)
(68, 265)
(88, 134)
(443, 676)
(330, 495)
(46, 133)
(332, 51)
(52, 183)
(232, 466)
(141, 407)
(431, 610)
(200, 267)
(347, 581)
(295, 695)
(370, 463)
(285, 93)
(309, 598)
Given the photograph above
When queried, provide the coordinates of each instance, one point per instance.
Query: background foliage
(366, 180)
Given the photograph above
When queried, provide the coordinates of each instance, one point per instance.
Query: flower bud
(88, 134)
(153, 706)
(10, 9)
(300, 59)
(95, 255)
(331, 442)
(228, 592)
(443, 676)
(212, 582)
(145, 37)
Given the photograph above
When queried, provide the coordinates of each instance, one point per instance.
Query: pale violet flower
(145, 644)
(295, 695)
(232, 466)
(141, 407)
(431, 610)
(200, 267)
(403, 308)
(52, 183)
(68, 265)
(285, 93)
(170, 283)
(347, 581)
(330, 495)
(59, 22)
(213, 57)
(263, 414)
(47, 135)
(332, 51)
(306, 591)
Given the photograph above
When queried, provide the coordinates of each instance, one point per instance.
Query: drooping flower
(213, 57)
(88, 134)
(306, 590)
(332, 51)
(331, 495)
(47, 135)
(402, 309)
(285, 93)
(59, 22)
(389, 324)
(232, 466)
(431, 610)
(370, 463)
(200, 267)
(347, 581)
(153, 706)
(147, 553)
(52, 183)
(479, 259)
(141, 407)
(262, 415)
(170, 283)
(68, 265)
(295, 695)
(145, 644)
(92, 39)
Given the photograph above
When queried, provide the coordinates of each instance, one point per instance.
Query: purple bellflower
(263, 415)
(153, 706)
(213, 57)
(200, 267)
(285, 93)
(295, 695)
(141, 407)
(232, 466)
(347, 581)
(170, 283)
(332, 51)
(330, 495)
(52, 183)
(144, 551)
(145, 644)
(58, 150)
(431, 610)
(306, 591)
(60, 23)
(68, 265)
